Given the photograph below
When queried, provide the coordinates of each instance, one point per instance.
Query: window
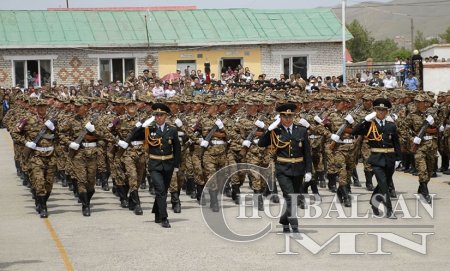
(182, 65)
(296, 64)
(115, 69)
(32, 72)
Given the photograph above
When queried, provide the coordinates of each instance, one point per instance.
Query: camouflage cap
(442, 94)
(40, 102)
(421, 98)
(368, 97)
(173, 99)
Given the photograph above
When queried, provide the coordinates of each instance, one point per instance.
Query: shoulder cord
(374, 131)
(154, 142)
(276, 143)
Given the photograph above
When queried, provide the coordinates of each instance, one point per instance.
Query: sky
(201, 4)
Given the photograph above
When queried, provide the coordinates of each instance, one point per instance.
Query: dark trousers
(161, 182)
(289, 185)
(384, 177)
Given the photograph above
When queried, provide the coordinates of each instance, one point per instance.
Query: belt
(45, 149)
(428, 137)
(89, 145)
(289, 160)
(346, 141)
(382, 150)
(217, 142)
(447, 126)
(137, 143)
(161, 157)
(180, 134)
(315, 136)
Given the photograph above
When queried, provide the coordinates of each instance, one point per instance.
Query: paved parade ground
(116, 239)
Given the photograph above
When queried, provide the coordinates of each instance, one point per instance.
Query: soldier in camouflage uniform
(425, 147)
(214, 156)
(442, 115)
(446, 127)
(85, 152)
(42, 159)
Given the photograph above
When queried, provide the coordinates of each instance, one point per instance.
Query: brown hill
(393, 19)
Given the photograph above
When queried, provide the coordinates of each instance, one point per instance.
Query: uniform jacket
(169, 144)
(298, 147)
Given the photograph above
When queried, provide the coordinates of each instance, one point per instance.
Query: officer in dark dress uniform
(164, 159)
(384, 152)
(292, 159)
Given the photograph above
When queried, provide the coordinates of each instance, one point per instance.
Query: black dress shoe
(286, 229)
(275, 199)
(392, 193)
(165, 223)
(369, 187)
(158, 219)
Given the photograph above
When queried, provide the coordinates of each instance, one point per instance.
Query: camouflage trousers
(214, 159)
(42, 173)
(102, 161)
(425, 157)
(133, 163)
(197, 165)
(341, 161)
(365, 153)
(61, 157)
(233, 177)
(178, 178)
(85, 169)
(318, 159)
(257, 156)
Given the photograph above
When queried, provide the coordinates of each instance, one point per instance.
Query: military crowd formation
(130, 144)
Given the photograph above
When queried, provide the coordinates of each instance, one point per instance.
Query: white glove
(178, 123)
(395, 116)
(370, 116)
(31, 145)
(50, 125)
(308, 177)
(260, 124)
(397, 163)
(335, 137)
(148, 122)
(89, 127)
(255, 141)
(430, 119)
(246, 143)
(417, 140)
(219, 124)
(277, 116)
(204, 143)
(304, 122)
(274, 124)
(318, 119)
(175, 169)
(122, 144)
(138, 124)
(441, 128)
(388, 118)
(349, 119)
(74, 146)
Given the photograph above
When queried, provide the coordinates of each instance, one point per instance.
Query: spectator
(389, 82)
(411, 82)
(170, 92)
(376, 80)
(158, 91)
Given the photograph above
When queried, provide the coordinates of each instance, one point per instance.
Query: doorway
(231, 63)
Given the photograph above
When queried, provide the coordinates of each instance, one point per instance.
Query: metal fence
(355, 70)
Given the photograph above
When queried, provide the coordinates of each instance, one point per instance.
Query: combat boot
(105, 184)
(69, 182)
(199, 195)
(98, 179)
(26, 180)
(43, 207)
(321, 178)
(369, 184)
(423, 190)
(235, 193)
(143, 185)
(260, 200)
(227, 190)
(332, 182)
(355, 178)
(123, 196)
(346, 197)
(189, 186)
(275, 198)
(176, 205)
(85, 209)
(214, 202)
(135, 201)
(63, 179)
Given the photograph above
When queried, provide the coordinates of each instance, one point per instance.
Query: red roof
(132, 8)
(348, 56)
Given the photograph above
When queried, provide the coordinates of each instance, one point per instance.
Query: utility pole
(412, 34)
(67, 3)
(344, 67)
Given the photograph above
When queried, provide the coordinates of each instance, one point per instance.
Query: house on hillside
(71, 45)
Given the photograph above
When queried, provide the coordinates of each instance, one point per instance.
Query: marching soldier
(384, 146)
(292, 161)
(164, 158)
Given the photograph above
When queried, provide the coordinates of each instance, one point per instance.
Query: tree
(446, 35)
(361, 43)
(382, 50)
(401, 53)
(421, 42)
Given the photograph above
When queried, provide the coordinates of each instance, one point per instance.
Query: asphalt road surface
(115, 239)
